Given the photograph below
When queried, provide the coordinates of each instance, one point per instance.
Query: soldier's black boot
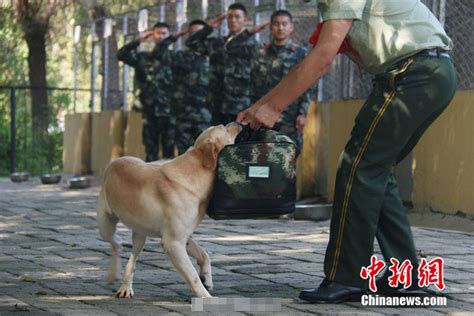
(331, 292)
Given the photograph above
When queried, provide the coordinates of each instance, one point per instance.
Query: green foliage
(13, 50)
(14, 72)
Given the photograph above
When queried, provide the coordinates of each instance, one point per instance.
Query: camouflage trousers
(290, 131)
(158, 132)
(187, 132)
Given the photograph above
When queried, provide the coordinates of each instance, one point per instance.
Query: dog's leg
(126, 290)
(176, 251)
(108, 231)
(203, 260)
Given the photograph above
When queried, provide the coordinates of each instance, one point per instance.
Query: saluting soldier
(270, 64)
(190, 88)
(406, 48)
(154, 80)
(229, 69)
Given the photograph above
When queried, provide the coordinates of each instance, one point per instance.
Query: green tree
(34, 18)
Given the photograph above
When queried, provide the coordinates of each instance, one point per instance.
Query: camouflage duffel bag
(255, 177)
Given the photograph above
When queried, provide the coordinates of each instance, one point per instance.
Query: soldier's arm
(244, 44)
(241, 45)
(162, 51)
(257, 77)
(201, 42)
(129, 54)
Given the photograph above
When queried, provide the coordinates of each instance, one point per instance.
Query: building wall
(443, 160)
(119, 134)
(133, 145)
(107, 139)
(76, 144)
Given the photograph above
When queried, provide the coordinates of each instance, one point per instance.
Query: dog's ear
(210, 152)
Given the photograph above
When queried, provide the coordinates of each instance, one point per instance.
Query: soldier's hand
(300, 123)
(145, 36)
(216, 22)
(258, 28)
(259, 115)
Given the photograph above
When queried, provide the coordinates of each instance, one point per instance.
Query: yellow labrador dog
(163, 200)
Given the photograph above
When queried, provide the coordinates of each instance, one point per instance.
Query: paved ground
(53, 261)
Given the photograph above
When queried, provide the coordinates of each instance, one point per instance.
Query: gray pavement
(52, 261)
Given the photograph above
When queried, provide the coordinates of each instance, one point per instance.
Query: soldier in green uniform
(190, 89)
(271, 63)
(229, 68)
(406, 48)
(154, 81)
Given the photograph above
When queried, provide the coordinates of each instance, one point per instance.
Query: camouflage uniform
(190, 89)
(154, 80)
(269, 65)
(229, 71)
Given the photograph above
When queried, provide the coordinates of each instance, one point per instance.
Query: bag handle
(247, 134)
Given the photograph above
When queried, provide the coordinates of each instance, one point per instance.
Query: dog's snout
(235, 125)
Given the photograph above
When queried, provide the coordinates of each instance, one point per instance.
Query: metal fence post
(13, 128)
(93, 77)
(205, 7)
(280, 5)
(442, 12)
(223, 28)
(125, 66)
(77, 34)
(94, 67)
(181, 9)
(162, 13)
(105, 88)
(256, 3)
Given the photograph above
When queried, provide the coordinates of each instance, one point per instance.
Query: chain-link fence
(112, 82)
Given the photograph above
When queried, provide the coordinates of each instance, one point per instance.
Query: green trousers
(404, 102)
(158, 132)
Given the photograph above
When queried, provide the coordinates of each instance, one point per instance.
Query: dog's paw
(124, 292)
(207, 283)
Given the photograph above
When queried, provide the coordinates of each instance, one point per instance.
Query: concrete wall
(76, 144)
(118, 134)
(341, 121)
(443, 161)
(133, 145)
(107, 139)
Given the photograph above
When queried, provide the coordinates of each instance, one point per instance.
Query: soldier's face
(281, 27)
(160, 33)
(194, 28)
(236, 20)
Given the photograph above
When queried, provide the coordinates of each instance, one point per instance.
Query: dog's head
(213, 139)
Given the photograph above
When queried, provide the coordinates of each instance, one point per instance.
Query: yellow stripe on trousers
(362, 149)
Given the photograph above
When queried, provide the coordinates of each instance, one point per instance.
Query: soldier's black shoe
(331, 292)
